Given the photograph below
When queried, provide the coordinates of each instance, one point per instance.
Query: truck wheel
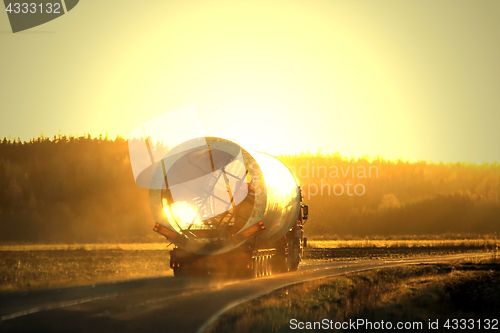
(294, 255)
(279, 264)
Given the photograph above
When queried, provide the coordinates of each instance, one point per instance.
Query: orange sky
(411, 79)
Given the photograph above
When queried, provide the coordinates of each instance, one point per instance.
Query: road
(160, 304)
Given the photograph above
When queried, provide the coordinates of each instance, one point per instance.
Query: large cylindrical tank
(212, 196)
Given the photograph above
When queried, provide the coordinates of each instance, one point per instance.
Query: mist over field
(82, 190)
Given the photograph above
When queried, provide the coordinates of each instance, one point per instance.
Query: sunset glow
(392, 78)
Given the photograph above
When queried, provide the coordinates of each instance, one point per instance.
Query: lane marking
(53, 306)
(58, 305)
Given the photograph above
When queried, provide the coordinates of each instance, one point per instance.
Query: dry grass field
(50, 266)
(363, 249)
(461, 290)
(84, 247)
(405, 243)
(28, 267)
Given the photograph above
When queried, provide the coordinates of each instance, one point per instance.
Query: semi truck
(227, 210)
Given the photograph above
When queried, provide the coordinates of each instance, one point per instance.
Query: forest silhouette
(82, 190)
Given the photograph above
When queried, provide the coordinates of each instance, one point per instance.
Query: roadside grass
(405, 243)
(383, 253)
(84, 247)
(398, 237)
(415, 293)
(40, 269)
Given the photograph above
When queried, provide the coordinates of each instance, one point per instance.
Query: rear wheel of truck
(293, 255)
(279, 264)
(294, 266)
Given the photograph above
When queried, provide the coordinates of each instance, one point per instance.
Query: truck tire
(278, 264)
(294, 255)
(294, 266)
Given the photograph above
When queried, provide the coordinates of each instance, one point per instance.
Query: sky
(400, 79)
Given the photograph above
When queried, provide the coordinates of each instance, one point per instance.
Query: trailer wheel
(279, 264)
(294, 255)
(294, 266)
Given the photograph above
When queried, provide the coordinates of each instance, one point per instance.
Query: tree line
(81, 189)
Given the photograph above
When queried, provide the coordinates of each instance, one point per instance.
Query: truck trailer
(227, 210)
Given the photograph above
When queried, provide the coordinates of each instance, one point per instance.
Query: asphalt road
(162, 304)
